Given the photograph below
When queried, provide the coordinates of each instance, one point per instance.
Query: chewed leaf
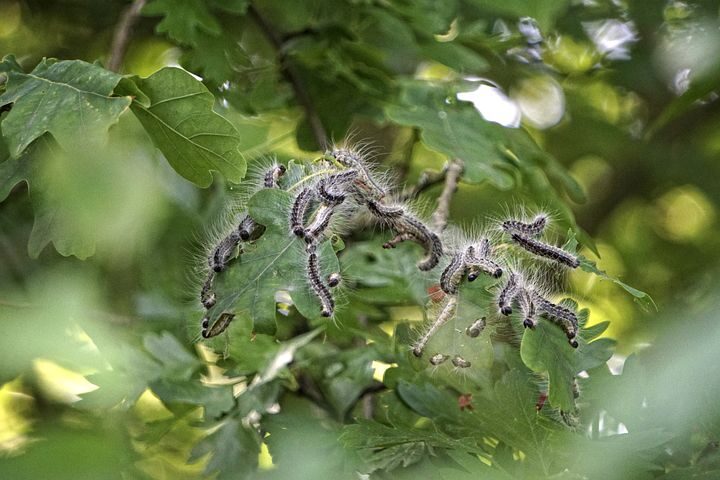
(70, 99)
(545, 349)
(643, 299)
(182, 124)
(466, 335)
(275, 262)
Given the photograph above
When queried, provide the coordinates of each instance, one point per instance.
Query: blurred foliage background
(620, 97)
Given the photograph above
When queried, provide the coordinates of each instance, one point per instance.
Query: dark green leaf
(70, 99)
(182, 124)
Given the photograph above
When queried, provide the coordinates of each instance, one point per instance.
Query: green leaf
(216, 400)
(546, 349)
(70, 99)
(176, 360)
(643, 299)
(54, 221)
(275, 262)
(182, 124)
(183, 19)
(233, 450)
(489, 151)
(9, 64)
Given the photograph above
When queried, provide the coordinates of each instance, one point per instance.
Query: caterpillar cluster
(342, 184)
(478, 257)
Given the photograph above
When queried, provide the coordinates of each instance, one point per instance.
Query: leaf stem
(121, 37)
(440, 216)
(292, 75)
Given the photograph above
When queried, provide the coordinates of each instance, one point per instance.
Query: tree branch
(293, 77)
(440, 217)
(121, 37)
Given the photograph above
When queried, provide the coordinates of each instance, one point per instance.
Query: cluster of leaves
(332, 399)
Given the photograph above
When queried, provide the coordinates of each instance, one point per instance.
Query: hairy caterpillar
(476, 328)
(297, 212)
(321, 291)
(527, 307)
(507, 294)
(425, 237)
(386, 213)
(541, 249)
(562, 316)
(320, 223)
(224, 251)
(355, 159)
(532, 229)
(331, 189)
(452, 275)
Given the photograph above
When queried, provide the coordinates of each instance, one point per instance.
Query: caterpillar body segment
(386, 213)
(271, 177)
(298, 211)
(452, 275)
(527, 308)
(319, 224)
(224, 251)
(333, 189)
(398, 239)
(541, 249)
(248, 229)
(483, 265)
(350, 158)
(207, 296)
(318, 286)
(507, 294)
(484, 248)
(425, 237)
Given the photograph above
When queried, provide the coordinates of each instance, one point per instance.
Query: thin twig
(121, 37)
(293, 77)
(440, 216)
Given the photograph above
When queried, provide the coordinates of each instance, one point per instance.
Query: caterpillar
(532, 229)
(353, 159)
(220, 325)
(386, 213)
(478, 261)
(560, 315)
(476, 328)
(527, 307)
(445, 315)
(223, 252)
(297, 212)
(452, 275)
(507, 294)
(397, 239)
(316, 283)
(424, 236)
(248, 228)
(320, 223)
(330, 189)
(536, 247)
